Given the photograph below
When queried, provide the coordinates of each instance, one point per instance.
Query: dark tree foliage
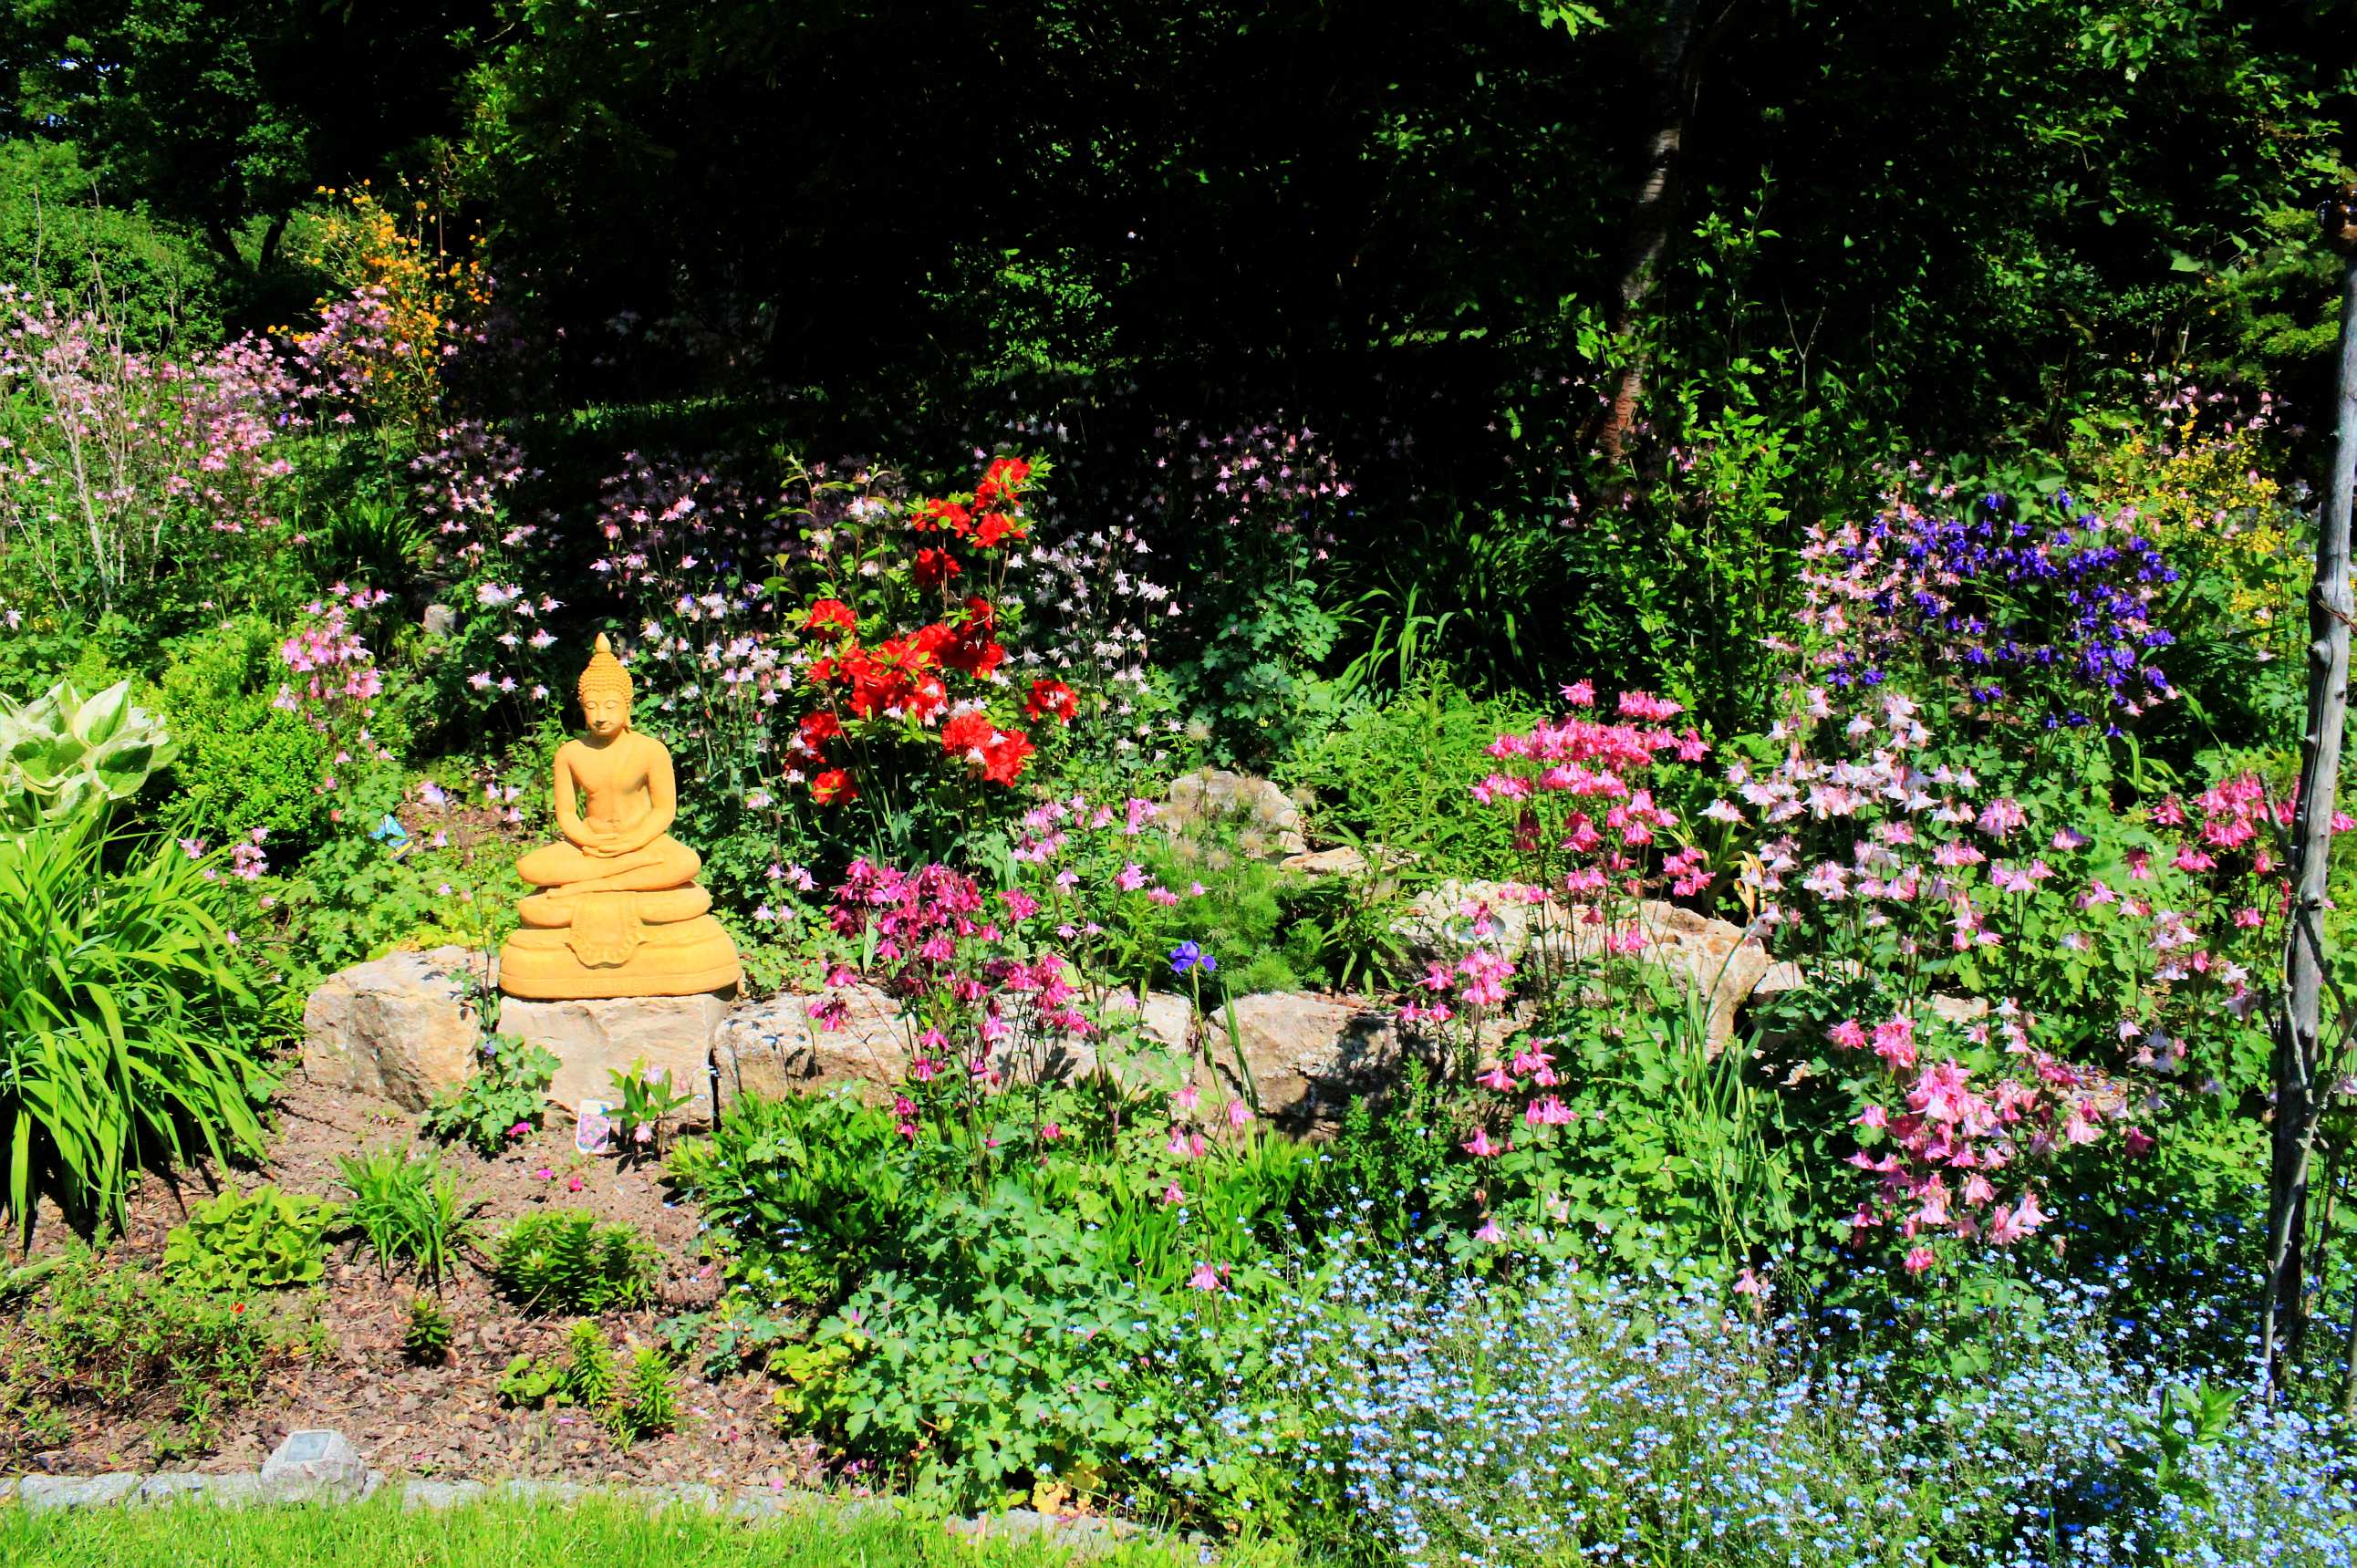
(1797, 236)
(221, 112)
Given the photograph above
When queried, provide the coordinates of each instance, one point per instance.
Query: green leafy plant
(244, 763)
(128, 1027)
(410, 1210)
(566, 1261)
(647, 1100)
(63, 753)
(240, 1241)
(531, 1381)
(509, 1089)
(590, 1375)
(426, 1338)
(647, 1403)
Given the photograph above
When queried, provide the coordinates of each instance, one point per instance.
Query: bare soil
(446, 1421)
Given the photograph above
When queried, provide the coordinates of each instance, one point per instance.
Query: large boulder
(1309, 1055)
(775, 1047)
(1267, 821)
(594, 1040)
(397, 1028)
(1702, 954)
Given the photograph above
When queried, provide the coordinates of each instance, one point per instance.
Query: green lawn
(603, 1532)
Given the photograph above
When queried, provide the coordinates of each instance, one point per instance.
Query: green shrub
(410, 1209)
(531, 1381)
(565, 1260)
(1237, 917)
(243, 1241)
(128, 1030)
(1396, 773)
(125, 1344)
(161, 286)
(64, 754)
(244, 764)
(590, 1376)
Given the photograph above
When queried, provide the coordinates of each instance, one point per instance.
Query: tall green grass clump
(127, 1031)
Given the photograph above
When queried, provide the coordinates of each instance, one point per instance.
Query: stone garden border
(320, 1466)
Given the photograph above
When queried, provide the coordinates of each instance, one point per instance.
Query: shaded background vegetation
(1932, 228)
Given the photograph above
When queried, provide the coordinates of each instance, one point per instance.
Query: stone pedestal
(594, 1040)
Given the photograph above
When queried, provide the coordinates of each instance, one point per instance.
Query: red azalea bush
(906, 695)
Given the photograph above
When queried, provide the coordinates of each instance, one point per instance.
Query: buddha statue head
(605, 690)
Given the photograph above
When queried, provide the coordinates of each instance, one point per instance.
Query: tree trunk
(2298, 1104)
(217, 232)
(270, 238)
(1673, 65)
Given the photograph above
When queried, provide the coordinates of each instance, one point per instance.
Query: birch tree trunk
(2298, 1101)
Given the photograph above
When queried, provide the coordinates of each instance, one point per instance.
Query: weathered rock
(35, 1493)
(437, 1496)
(439, 620)
(1959, 1009)
(776, 1047)
(593, 1040)
(315, 1463)
(1703, 954)
(238, 1489)
(1267, 821)
(399, 1028)
(1339, 861)
(1309, 1055)
(534, 1491)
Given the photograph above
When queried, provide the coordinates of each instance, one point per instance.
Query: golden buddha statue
(616, 910)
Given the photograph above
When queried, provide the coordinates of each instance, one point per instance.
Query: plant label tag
(594, 1132)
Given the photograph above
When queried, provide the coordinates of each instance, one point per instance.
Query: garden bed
(447, 1420)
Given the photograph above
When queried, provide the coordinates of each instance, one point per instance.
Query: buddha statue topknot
(615, 910)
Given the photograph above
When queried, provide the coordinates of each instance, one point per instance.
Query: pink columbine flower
(1479, 1144)
(1489, 1232)
(1919, 1259)
(1204, 1278)
(1239, 1115)
(519, 1130)
(1051, 1132)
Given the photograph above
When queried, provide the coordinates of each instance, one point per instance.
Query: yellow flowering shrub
(402, 305)
(2197, 484)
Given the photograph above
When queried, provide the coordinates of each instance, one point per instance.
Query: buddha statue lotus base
(618, 944)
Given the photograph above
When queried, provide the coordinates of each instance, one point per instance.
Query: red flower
(978, 659)
(966, 733)
(1003, 480)
(832, 786)
(1002, 758)
(1052, 697)
(817, 729)
(935, 567)
(830, 614)
(994, 526)
(946, 515)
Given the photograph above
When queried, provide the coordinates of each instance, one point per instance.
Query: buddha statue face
(605, 693)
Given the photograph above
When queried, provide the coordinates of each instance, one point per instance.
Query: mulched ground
(448, 1421)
